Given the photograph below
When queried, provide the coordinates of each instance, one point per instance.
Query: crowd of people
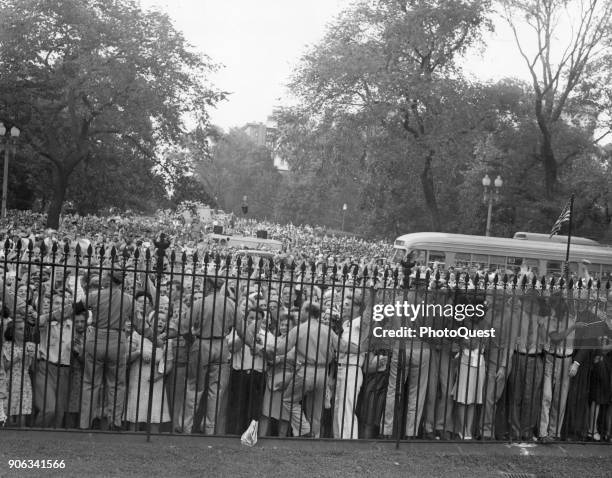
(129, 230)
(117, 343)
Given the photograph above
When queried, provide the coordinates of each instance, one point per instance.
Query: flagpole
(569, 238)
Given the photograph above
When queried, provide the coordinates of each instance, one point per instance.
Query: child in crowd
(16, 359)
(469, 386)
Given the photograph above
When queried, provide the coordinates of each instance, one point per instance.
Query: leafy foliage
(240, 168)
(99, 81)
(384, 106)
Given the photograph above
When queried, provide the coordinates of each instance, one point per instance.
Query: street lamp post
(8, 143)
(344, 208)
(490, 196)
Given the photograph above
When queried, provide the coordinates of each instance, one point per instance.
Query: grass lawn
(111, 455)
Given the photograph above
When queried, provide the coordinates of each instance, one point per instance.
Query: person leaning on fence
(77, 364)
(248, 374)
(141, 369)
(16, 304)
(371, 401)
(179, 335)
(314, 344)
(468, 390)
(16, 359)
(558, 350)
(503, 316)
(595, 355)
(280, 370)
(52, 370)
(442, 370)
(212, 318)
(415, 371)
(525, 380)
(349, 378)
(106, 351)
(575, 423)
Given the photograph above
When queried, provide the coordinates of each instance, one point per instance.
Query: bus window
(419, 257)
(554, 268)
(533, 265)
(588, 270)
(514, 264)
(480, 262)
(462, 260)
(398, 255)
(497, 264)
(595, 270)
(439, 257)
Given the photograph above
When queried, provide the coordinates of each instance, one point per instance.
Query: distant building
(267, 135)
(257, 132)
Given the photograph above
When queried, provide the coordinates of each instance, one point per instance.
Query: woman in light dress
(280, 370)
(141, 366)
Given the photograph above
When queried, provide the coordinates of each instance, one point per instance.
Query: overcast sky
(260, 41)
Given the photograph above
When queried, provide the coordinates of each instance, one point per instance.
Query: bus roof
(502, 246)
(533, 236)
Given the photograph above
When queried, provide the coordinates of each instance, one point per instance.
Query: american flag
(563, 217)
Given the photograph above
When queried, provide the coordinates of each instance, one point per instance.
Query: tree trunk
(549, 161)
(547, 155)
(60, 182)
(427, 182)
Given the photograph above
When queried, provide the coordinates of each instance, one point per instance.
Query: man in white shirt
(355, 332)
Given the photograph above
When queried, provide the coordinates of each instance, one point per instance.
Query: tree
(75, 74)
(113, 180)
(557, 69)
(190, 189)
(240, 167)
(341, 158)
(396, 60)
(512, 150)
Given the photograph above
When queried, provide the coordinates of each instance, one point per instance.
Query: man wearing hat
(105, 350)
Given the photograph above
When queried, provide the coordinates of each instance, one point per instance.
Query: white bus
(502, 255)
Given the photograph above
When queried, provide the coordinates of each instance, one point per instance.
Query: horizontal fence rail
(160, 342)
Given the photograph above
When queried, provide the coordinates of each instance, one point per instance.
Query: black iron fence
(165, 343)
